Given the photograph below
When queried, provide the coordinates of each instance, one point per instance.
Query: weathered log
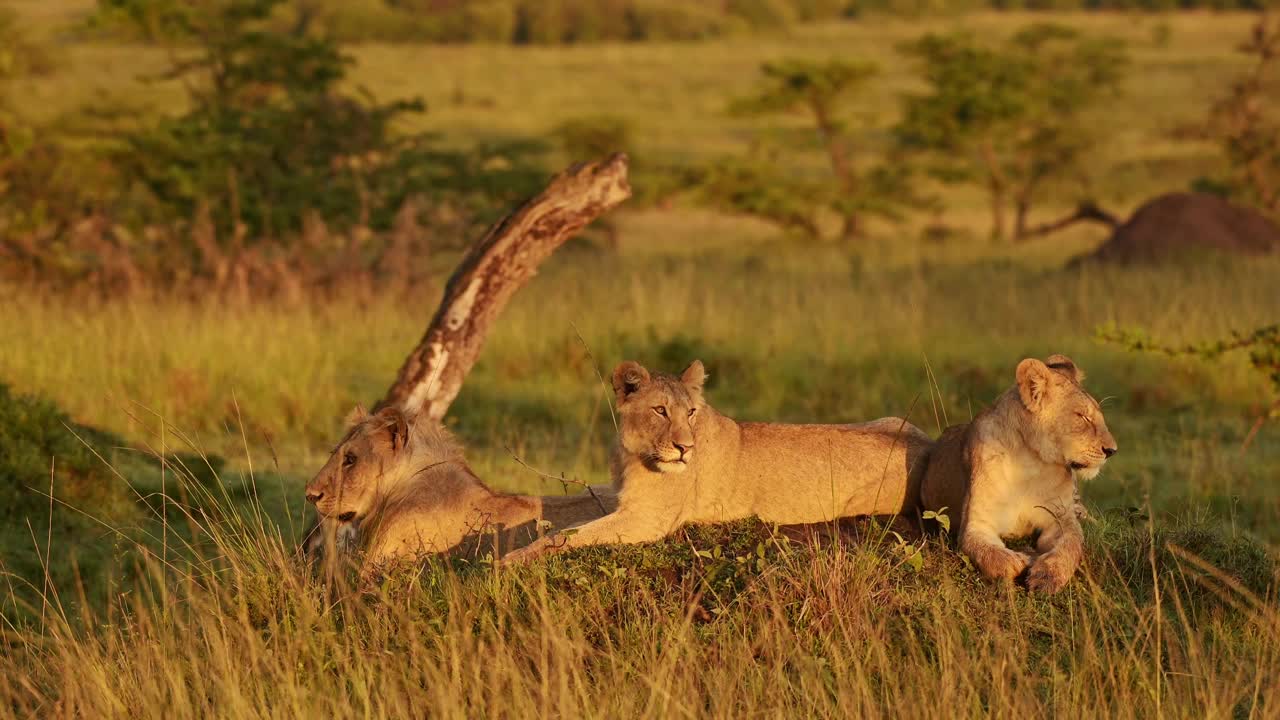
(491, 272)
(495, 267)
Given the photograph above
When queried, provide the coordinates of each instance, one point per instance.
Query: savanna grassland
(187, 600)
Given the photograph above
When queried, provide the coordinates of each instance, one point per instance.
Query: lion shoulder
(946, 479)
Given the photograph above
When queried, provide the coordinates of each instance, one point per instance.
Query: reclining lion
(409, 489)
(679, 461)
(1012, 473)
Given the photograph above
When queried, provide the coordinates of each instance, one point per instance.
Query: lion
(404, 489)
(1012, 472)
(678, 461)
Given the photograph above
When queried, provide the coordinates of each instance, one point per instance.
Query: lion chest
(1019, 494)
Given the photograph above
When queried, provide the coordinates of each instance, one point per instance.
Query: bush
(588, 21)
(756, 187)
(37, 438)
(367, 21)
(491, 22)
(273, 137)
(39, 445)
(663, 20)
(763, 14)
(592, 137)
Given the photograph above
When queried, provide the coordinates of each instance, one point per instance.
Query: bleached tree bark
(491, 272)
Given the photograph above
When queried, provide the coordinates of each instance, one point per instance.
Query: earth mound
(1179, 224)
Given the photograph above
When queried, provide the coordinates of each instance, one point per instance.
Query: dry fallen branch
(497, 266)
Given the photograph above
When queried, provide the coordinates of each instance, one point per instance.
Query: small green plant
(912, 554)
(939, 516)
(1262, 344)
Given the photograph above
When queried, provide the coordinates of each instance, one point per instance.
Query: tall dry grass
(717, 622)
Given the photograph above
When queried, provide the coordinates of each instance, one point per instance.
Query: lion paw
(1048, 577)
(1002, 564)
(529, 552)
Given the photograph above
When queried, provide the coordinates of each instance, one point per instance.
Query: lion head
(378, 451)
(658, 414)
(1066, 424)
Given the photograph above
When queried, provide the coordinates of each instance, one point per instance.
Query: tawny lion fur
(679, 461)
(410, 490)
(1012, 473)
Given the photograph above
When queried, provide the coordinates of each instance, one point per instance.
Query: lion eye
(692, 411)
(349, 459)
(660, 410)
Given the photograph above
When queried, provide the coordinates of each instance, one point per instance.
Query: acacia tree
(821, 90)
(1246, 122)
(1013, 116)
(273, 134)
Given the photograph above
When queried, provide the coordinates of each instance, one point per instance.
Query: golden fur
(679, 461)
(408, 487)
(1012, 473)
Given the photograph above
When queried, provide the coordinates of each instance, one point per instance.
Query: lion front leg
(1061, 545)
(621, 528)
(988, 552)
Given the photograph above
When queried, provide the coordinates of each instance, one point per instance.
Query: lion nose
(1108, 451)
(684, 448)
(314, 496)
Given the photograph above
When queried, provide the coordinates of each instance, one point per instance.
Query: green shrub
(662, 20)
(595, 136)
(369, 21)
(39, 447)
(36, 438)
(763, 14)
(490, 21)
(595, 21)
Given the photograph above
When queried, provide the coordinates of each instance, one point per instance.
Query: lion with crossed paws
(678, 461)
(407, 487)
(1012, 473)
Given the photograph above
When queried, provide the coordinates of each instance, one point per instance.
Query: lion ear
(357, 415)
(1064, 363)
(694, 376)
(629, 377)
(397, 425)
(1034, 379)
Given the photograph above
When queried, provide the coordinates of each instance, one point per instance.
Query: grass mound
(715, 621)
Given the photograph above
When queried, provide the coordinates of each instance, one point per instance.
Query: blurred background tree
(1011, 117)
(822, 92)
(271, 134)
(19, 144)
(1246, 122)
